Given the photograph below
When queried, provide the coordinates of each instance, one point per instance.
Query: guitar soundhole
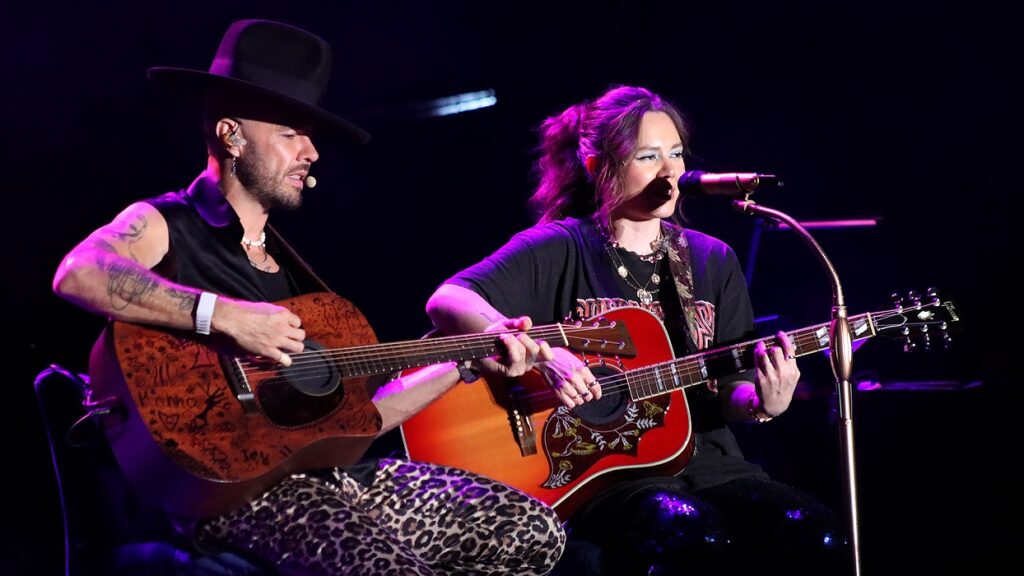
(613, 402)
(312, 374)
(304, 392)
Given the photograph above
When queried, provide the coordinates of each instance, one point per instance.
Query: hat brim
(196, 82)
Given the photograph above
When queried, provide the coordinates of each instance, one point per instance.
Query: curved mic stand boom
(841, 348)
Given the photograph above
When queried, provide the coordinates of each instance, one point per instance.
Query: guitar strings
(451, 348)
(376, 351)
(688, 368)
(312, 368)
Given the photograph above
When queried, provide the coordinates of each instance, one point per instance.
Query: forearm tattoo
(186, 300)
(128, 284)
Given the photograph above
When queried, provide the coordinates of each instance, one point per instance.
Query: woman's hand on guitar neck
(521, 351)
(570, 378)
(776, 374)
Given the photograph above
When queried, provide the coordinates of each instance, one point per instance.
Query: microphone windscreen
(689, 183)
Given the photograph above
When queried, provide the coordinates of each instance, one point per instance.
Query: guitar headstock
(600, 335)
(921, 320)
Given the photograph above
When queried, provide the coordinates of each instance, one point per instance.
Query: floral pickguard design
(573, 444)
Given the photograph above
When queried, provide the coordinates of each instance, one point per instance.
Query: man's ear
(229, 133)
(591, 165)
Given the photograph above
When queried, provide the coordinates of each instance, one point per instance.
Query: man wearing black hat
(205, 259)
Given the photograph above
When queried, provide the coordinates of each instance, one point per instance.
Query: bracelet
(467, 374)
(757, 412)
(204, 312)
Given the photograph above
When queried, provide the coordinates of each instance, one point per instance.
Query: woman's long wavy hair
(606, 129)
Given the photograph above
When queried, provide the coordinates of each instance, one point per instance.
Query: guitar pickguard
(574, 444)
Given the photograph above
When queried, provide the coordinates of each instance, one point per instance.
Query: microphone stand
(841, 356)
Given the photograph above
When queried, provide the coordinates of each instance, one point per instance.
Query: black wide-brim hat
(273, 62)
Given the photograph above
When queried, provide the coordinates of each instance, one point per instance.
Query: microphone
(697, 183)
(310, 182)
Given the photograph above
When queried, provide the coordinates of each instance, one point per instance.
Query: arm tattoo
(186, 300)
(106, 248)
(135, 230)
(102, 245)
(492, 318)
(128, 284)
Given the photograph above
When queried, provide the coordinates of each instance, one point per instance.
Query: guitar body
(192, 434)
(514, 430)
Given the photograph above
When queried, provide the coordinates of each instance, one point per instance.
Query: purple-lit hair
(607, 129)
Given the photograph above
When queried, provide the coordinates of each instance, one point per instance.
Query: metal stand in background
(841, 347)
(760, 225)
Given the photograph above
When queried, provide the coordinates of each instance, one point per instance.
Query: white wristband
(204, 312)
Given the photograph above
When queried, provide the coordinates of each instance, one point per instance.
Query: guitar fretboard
(699, 368)
(376, 359)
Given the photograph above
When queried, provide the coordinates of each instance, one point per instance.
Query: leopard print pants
(416, 519)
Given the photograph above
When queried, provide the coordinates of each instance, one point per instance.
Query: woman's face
(651, 186)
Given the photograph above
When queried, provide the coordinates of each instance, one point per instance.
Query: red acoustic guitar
(201, 432)
(516, 432)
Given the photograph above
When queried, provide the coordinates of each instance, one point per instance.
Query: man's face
(274, 162)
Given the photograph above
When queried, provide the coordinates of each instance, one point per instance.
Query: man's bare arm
(109, 272)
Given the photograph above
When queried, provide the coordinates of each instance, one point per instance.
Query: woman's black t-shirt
(562, 271)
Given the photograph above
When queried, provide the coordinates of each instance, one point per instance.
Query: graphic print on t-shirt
(704, 314)
(590, 307)
(704, 325)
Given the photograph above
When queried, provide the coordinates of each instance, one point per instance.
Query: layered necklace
(658, 250)
(254, 245)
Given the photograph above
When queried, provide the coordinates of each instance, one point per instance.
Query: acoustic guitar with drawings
(200, 431)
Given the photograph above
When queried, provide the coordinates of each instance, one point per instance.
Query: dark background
(867, 109)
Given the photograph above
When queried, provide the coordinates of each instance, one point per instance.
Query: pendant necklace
(645, 295)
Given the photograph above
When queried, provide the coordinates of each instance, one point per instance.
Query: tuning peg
(933, 295)
(897, 301)
(943, 329)
(913, 298)
(908, 341)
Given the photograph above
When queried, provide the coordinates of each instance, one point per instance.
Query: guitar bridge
(522, 428)
(239, 383)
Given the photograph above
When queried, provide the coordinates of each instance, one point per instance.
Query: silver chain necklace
(659, 247)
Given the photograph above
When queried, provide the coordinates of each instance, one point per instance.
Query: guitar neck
(702, 367)
(388, 358)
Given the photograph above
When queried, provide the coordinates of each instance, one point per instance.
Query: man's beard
(262, 185)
